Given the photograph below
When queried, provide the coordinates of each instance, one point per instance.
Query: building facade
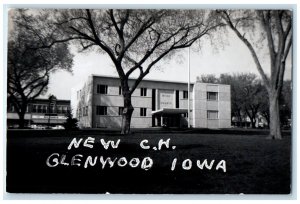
(40, 112)
(99, 104)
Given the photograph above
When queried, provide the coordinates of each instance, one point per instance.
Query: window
(143, 111)
(185, 115)
(101, 110)
(212, 96)
(64, 109)
(101, 89)
(212, 114)
(121, 110)
(185, 94)
(34, 108)
(44, 109)
(39, 108)
(52, 109)
(120, 90)
(143, 91)
(59, 109)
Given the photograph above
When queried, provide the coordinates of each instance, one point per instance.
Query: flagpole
(188, 87)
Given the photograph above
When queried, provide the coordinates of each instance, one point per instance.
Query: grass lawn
(254, 165)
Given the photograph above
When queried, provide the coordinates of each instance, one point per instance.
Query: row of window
(44, 109)
(102, 110)
(11, 108)
(211, 114)
(211, 96)
(102, 89)
(53, 109)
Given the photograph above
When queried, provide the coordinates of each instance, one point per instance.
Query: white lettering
(62, 160)
(108, 159)
(89, 140)
(173, 164)
(110, 143)
(147, 163)
(162, 142)
(221, 165)
(134, 162)
(89, 160)
(143, 146)
(205, 164)
(122, 162)
(75, 143)
(55, 160)
(74, 159)
(187, 164)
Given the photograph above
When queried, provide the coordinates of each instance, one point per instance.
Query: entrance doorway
(169, 117)
(171, 121)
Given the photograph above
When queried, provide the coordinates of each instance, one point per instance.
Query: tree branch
(265, 23)
(146, 56)
(103, 46)
(226, 17)
(288, 47)
(42, 84)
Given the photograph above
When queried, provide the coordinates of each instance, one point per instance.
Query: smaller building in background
(41, 113)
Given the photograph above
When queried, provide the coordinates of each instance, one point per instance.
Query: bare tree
(247, 95)
(208, 78)
(275, 27)
(135, 40)
(254, 97)
(29, 69)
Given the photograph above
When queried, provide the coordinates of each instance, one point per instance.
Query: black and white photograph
(106, 100)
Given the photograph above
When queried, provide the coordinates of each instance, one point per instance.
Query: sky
(230, 57)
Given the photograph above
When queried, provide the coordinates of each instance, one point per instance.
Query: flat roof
(145, 79)
(46, 100)
(156, 80)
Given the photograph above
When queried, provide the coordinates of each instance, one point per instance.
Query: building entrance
(171, 121)
(168, 117)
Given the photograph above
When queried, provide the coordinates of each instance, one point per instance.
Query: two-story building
(99, 104)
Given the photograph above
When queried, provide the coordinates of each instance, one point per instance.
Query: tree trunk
(275, 132)
(21, 120)
(127, 113)
(251, 115)
(268, 121)
(253, 121)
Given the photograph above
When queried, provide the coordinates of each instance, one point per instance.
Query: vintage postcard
(149, 101)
